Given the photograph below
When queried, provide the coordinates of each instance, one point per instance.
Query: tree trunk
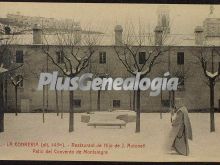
(47, 98)
(71, 111)
(171, 105)
(16, 100)
(6, 95)
(47, 87)
(138, 113)
(98, 100)
(172, 102)
(130, 101)
(57, 106)
(2, 105)
(212, 118)
(90, 100)
(61, 104)
(161, 98)
(43, 103)
(134, 101)
(173, 97)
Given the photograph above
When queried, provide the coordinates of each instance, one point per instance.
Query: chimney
(118, 35)
(199, 35)
(37, 34)
(158, 35)
(77, 34)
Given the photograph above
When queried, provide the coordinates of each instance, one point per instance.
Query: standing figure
(181, 129)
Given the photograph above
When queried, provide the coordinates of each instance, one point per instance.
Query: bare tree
(105, 73)
(35, 73)
(206, 60)
(129, 53)
(2, 70)
(61, 98)
(6, 66)
(57, 102)
(73, 57)
(16, 82)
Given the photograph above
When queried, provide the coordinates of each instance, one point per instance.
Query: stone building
(105, 62)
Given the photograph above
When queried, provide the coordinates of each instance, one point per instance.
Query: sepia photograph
(109, 82)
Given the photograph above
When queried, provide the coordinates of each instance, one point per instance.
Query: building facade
(180, 58)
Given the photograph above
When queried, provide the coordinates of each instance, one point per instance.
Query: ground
(28, 127)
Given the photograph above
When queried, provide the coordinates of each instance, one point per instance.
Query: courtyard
(27, 137)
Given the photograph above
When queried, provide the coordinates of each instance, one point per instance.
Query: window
(77, 103)
(165, 103)
(7, 30)
(180, 58)
(102, 57)
(19, 56)
(19, 79)
(60, 57)
(142, 57)
(181, 83)
(165, 97)
(218, 67)
(116, 103)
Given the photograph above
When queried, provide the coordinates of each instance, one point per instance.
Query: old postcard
(109, 82)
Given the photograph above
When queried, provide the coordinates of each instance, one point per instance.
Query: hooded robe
(181, 132)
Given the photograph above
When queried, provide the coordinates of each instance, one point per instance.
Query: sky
(183, 18)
